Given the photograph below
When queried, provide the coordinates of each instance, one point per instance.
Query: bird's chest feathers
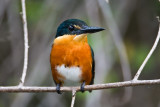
(70, 74)
(71, 52)
(71, 58)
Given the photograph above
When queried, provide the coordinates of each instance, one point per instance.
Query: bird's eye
(71, 28)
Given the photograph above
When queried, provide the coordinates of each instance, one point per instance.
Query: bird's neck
(67, 39)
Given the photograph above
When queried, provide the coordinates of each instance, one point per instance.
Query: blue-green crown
(66, 27)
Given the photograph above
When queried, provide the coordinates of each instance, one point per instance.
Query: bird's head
(74, 30)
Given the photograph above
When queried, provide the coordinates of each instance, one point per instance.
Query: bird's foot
(58, 89)
(82, 87)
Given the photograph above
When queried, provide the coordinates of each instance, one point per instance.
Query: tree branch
(25, 30)
(73, 97)
(148, 56)
(87, 87)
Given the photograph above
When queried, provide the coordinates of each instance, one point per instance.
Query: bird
(72, 58)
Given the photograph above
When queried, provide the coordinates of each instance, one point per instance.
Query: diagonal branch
(25, 30)
(73, 97)
(148, 56)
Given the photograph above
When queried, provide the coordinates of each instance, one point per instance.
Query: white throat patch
(70, 73)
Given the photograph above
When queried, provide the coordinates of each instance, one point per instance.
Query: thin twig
(87, 87)
(25, 30)
(73, 97)
(148, 56)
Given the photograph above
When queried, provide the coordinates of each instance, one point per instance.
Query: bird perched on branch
(72, 58)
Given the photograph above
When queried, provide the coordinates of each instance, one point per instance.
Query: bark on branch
(148, 56)
(73, 98)
(25, 30)
(87, 87)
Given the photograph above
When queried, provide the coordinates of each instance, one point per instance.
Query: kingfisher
(72, 58)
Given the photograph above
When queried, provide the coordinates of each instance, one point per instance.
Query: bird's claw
(58, 89)
(82, 87)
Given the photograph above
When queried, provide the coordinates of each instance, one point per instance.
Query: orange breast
(72, 54)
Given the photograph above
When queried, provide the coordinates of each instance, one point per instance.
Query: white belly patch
(71, 74)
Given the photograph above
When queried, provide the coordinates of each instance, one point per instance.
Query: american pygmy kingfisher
(72, 58)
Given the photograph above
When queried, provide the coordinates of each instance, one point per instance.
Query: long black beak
(88, 29)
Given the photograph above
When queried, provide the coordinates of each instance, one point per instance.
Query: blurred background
(131, 29)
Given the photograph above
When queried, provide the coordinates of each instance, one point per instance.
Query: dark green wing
(93, 66)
